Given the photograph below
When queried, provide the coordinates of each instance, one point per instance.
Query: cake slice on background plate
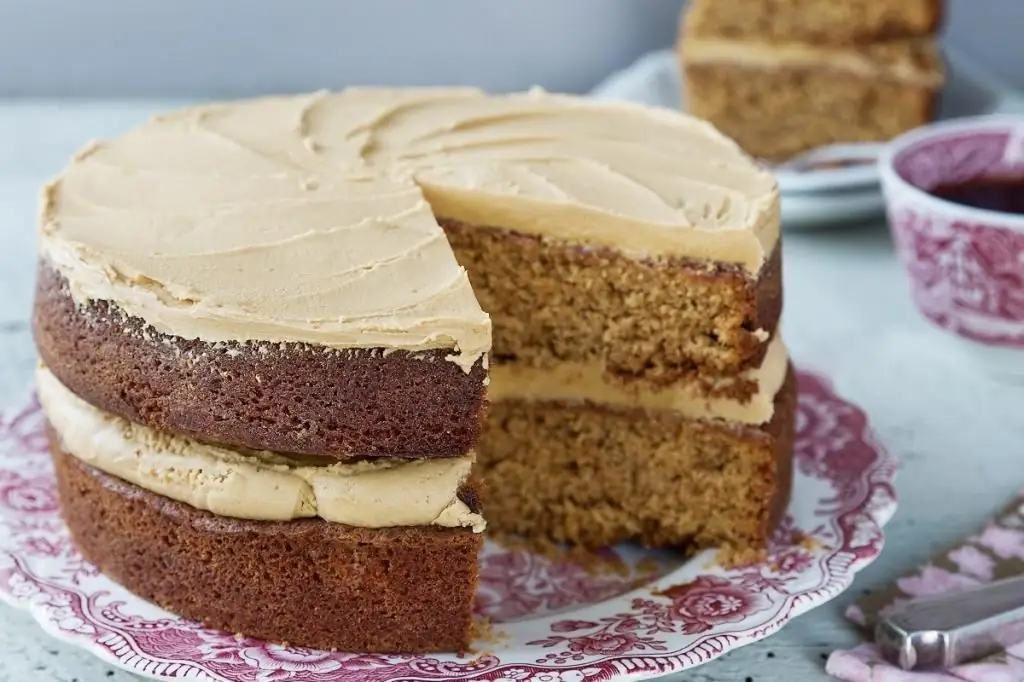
(783, 78)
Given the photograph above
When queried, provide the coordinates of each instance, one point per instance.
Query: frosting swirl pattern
(312, 218)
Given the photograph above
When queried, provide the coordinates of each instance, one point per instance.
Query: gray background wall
(205, 48)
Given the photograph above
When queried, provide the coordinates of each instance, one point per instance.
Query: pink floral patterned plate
(553, 620)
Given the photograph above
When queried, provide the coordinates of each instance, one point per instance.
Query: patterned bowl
(966, 265)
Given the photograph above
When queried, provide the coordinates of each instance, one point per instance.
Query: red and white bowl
(966, 265)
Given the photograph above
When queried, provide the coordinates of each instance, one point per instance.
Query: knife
(943, 631)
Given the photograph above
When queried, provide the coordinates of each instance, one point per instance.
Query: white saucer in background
(810, 210)
(822, 196)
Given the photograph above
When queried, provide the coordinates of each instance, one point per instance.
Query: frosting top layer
(312, 218)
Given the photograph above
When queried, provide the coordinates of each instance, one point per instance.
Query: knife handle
(947, 630)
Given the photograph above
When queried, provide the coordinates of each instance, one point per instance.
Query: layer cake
(266, 364)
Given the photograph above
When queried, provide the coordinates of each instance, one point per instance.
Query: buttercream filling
(312, 218)
(256, 485)
(587, 382)
(914, 61)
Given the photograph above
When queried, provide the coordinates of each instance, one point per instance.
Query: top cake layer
(822, 22)
(312, 218)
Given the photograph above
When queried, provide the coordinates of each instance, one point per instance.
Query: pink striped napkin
(994, 553)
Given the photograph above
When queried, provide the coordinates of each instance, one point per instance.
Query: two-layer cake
(265, 371)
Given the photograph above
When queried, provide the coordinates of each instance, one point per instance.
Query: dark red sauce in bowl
(995, 193)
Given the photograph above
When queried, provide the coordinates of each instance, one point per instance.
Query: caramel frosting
(587, 382)
(312, 218)
(259, 485)
(914, 61)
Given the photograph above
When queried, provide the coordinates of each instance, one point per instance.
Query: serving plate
(639, 614)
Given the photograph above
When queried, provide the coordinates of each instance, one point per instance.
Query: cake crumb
(648, 566)
(733, 557)
(485, 638)
(483, 630)
(807, 542)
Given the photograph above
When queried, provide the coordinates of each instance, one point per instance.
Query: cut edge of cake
(700, 483)
(561, 301)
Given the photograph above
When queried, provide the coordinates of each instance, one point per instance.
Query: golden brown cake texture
(264, 364)
(600, 474)
(829, 22)
(650, 319)
(257, 542)
(594, 443)
(785, 77)
(308, 582)
(297, 398)
(630, 399)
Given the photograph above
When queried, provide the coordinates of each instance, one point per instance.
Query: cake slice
(785, 79)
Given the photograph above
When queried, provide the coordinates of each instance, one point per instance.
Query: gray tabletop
(956, 430)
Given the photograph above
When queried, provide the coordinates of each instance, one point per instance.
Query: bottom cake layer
(306, 582)
(776, 113)
(597, 476)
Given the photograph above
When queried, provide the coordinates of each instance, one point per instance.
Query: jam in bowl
(954, 196)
